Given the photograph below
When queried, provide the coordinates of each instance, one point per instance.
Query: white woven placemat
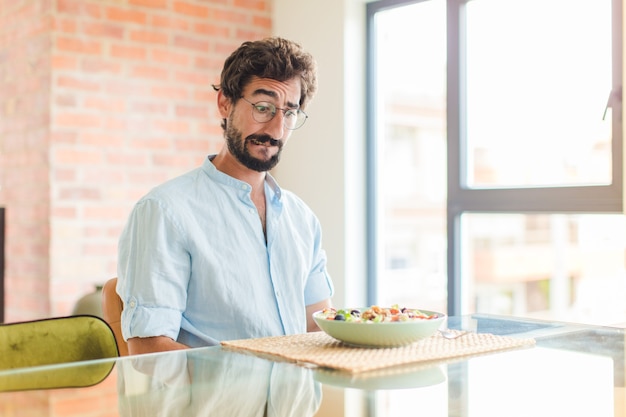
(320, 349)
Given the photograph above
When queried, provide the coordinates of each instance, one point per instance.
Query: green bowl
(385, 334)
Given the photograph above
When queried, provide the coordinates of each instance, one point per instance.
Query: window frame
(460, 199)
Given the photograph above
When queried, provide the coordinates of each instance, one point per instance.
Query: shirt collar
(225, 179)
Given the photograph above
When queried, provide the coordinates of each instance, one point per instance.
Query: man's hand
(311, 326)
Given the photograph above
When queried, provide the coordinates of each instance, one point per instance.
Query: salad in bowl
(377, 326)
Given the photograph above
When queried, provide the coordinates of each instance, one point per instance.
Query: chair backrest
(55, 340)
(112, 307)
(52, 341)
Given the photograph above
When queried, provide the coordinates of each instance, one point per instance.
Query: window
(408, 154)
(495, 152)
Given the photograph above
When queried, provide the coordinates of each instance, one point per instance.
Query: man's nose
(276, 127)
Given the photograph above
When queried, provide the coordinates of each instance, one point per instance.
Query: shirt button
(277, 294)
(132, 303)
(252, 211)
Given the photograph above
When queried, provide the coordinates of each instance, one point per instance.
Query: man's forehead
(288, 90)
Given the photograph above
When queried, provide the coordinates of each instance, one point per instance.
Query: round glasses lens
(263, 112)
(295, 119)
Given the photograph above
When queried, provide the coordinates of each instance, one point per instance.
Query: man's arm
(140, 345)
(311, 326)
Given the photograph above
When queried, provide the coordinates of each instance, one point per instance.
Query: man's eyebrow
(270, 93)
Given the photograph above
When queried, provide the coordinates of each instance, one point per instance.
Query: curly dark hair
(275, 58)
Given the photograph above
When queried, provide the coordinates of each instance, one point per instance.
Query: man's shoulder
(177, 185)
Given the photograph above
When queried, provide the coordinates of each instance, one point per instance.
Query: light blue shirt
(194, 264)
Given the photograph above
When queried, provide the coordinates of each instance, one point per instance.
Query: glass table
(573, 370)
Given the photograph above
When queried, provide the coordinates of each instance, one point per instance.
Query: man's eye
(262, 108)
(291, 114)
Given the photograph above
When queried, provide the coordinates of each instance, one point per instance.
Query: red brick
(158, 4)
(126, 159)
(194, 145)
(65, 100)
(76, 157)
(64, 175)
(207, 63)
(264, 22)
(150, 107)
(229, 16)
(172, 126)
(126, 16)
(225, 47)
(106, 30)
(169, 22)
(64, 62)
(212, 129)
(78, 120)
(211, 30)
(206, 96)
(113, 104)
(149, 37)
(74, 83)
(128, 51)
(116, 124)
(67, 193)
(69, 6)
(125, 87)
(105, 213)
(98, 65)
(101, 140)
(95, 174)
(200, 112)
(170, 57)
(64, 212)
(169, 92)
(155, 144)
(65, 25)
(195, 43)
(78, 8)
(154, 73)
(250, 33)
(260, 5)
(193, 78)
(172, 160)
(79, 46)
(151, 178)
(190, 9)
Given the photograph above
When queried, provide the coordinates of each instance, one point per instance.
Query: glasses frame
(274, 110)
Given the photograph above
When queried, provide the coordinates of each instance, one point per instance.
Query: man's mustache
(264, 140)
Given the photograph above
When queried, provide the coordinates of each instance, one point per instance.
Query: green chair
(26, 347)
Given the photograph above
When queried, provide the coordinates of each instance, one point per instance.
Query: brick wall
(24, 125)
(100, 100)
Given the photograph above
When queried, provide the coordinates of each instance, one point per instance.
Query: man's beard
(237, 147)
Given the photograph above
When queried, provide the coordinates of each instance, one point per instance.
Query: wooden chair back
(112, 307)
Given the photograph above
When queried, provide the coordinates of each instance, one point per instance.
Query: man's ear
(223, 104)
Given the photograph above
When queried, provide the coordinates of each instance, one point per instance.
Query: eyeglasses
(264, 111)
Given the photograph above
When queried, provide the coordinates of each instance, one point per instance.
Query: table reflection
(574, 370)
(215, 383)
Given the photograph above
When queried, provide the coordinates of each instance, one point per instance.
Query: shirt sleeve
(153, 272)
(319, 285)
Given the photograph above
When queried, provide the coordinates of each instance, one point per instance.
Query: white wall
(324, 161)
